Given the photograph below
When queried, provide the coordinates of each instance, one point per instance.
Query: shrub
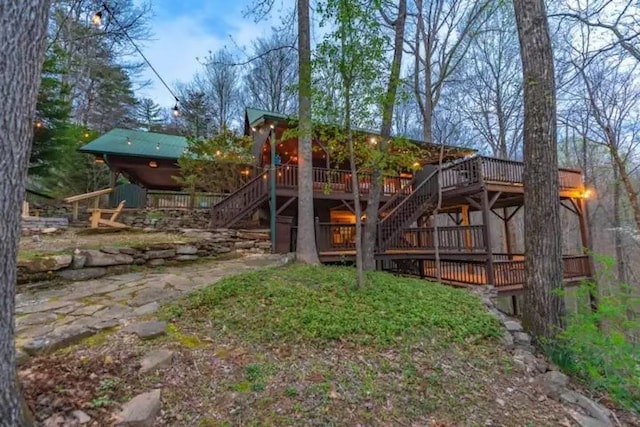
(601, 347)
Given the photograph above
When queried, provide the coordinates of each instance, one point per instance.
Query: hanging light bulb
(176, 110)
(128, 141)
(38, 124)
(158, 146)
(97, 18)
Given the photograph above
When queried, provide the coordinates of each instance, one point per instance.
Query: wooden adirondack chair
(97, 220)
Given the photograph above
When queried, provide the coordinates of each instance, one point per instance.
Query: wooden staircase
(241, 203)
(395, 200)
(407, 210)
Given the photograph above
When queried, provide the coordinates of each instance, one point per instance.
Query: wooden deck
(465, 260)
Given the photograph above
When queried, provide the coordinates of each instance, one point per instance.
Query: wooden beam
(514, 212)
(285, 205)
(486, 217)
(466, 223)
(494, 199)
(351, 208)
(507, 233)
(473, 203)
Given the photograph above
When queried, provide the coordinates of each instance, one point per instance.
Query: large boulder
(101, 259)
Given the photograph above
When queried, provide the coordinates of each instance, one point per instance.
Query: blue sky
(188, 29)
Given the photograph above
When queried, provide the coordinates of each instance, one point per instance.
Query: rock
(186, 250)
(59, 338)
(162, 253)
(553, 383)
(81, 417)
(82, 274)
(42, 306)
(36, 319)
(249, 235)
(141, 411)
(522, 338)
(507, 340)
(42, 265)
(244, 244)
(56, 420)
(49, 230)
(500, 402)
(147, 330)
(513, 326)
(146, 309)
(263, 245)
(526, 359)
(187, 258)
(157, 262)
(78, 261)
(139, 261)
(129, 251)
(88, 310)
(36, 238)
(100, 259)
(112, 251)
(586, 421)
(592, 408)
(101, 325)
(157, 359)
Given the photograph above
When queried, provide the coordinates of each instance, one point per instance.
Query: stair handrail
(250, 182)
(418, 188)
(396, 196)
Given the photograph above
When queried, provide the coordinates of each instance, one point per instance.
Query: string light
(153, 164)
(158, 146)
(38, 124)
(128, 141)
(97, 20)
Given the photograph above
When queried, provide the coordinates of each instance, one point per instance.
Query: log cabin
(478, 195)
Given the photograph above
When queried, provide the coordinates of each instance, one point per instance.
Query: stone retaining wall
(86, 264)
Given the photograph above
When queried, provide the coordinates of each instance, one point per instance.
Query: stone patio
(51, 319)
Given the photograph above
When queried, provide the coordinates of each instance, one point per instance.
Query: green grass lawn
(300, 303)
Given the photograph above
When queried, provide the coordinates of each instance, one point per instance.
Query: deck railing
(498, 171)
(451, 239)
(182, 200)
(339, 181)
(332, 237)
(461, 174)
(507, 273)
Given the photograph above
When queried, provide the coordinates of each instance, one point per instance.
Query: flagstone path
(50, 319)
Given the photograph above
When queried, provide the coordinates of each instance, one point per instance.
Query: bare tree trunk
(617, 224)
(543, 310)
(371, 224)
(23, 25)
(306, 244)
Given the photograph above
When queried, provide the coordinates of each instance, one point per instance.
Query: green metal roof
(142, 144)
(253, 115)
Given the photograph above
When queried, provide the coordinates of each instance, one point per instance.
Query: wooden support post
(75, 211)
(486, 218)
(507, 233)
(514, 305)
(466, 223)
